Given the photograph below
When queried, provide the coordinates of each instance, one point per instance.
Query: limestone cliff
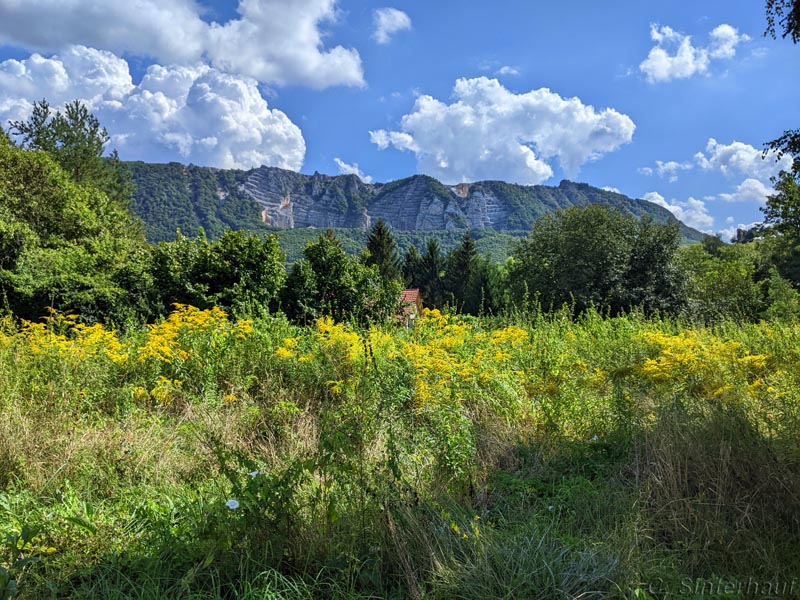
(289, 200)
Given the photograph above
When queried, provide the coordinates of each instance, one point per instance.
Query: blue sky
(669, 101)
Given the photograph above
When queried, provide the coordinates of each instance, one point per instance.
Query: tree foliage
(783, 17)
(782, 209)
(239, 271)
(473, 284)
(738, 282)
(172, 197)
(66, 245)
(432, 267)
(411, 267)
(382, 252)
(596, 256)
(329, 282)
(76, 141)
(460, 265)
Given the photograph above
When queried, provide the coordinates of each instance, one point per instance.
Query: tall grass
(540, 458)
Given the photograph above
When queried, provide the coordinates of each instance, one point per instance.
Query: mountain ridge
(171, 196)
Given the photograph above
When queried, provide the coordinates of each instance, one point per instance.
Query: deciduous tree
(329, 282)
(596, 256)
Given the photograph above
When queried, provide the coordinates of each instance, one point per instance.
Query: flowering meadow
(530, 457)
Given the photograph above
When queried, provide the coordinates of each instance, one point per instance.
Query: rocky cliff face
(421, 203)
(290, 200)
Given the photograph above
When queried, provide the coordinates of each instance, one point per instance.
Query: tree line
(68, 241)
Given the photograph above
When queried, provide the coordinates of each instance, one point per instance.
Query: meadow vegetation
(604, 415)
(537, 457)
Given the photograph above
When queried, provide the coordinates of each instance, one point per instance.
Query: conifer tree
(329, 282)
(412, 263)
(460, 266)
(382, 251)
(76, 141)
(432, 273)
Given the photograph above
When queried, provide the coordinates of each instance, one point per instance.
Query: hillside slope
(173, 196)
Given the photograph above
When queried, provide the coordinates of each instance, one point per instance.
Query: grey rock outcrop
(290, 200)
(173, 196)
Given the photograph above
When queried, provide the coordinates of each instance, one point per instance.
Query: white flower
(594, 438)
(253, 473)
(233, 504)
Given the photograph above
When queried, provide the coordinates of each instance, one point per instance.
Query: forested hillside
(172, 196)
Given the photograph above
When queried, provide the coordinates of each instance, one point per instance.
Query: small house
(410, 307)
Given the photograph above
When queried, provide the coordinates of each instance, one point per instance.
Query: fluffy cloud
(732, 160)
(79, 72)
(724, 39)
(668, 169)
(693, 212)
(211, 118)
(169, 30)
(507, 70)
(207, 116)
(274, 41)
(389, 21)
(489, 132)
(279, 41)
(610, 188)
(687, 60)
(750, 190)
(347, 169)
(740, 158)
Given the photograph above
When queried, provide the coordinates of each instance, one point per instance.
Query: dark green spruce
(382, 252)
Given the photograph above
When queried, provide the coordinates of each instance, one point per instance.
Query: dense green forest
(494, 245)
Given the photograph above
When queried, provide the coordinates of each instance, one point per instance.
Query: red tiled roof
(410, 305)
(409, 296)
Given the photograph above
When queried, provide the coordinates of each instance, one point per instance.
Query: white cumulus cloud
(724, 39)
(387, 22)
(740, 158)
(274, 41)
(750, 190)
(78, 72)
(668, 169)
(280, 41)
(489, 132)
(507, 70)
(693, 212)
(209, 117)
(169, 30)
(736, 159)
(675, 57)
(348, 169)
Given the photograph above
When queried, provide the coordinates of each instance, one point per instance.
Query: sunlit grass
(530, 457)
